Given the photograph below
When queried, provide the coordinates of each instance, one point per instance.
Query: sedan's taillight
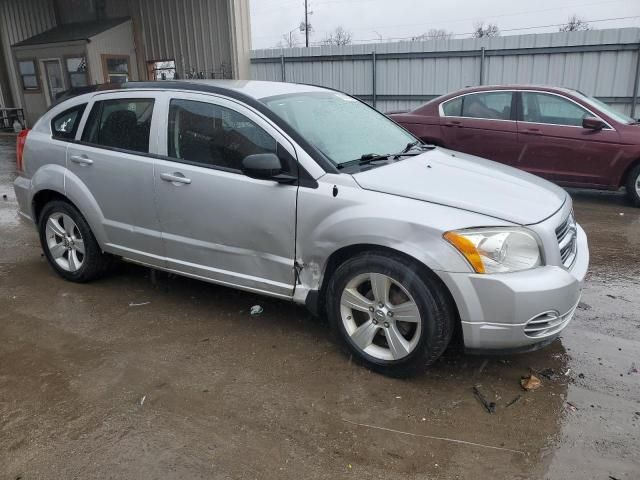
(22, 139)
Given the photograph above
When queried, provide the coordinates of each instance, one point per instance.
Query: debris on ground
(611, 296)
(144, 397)
(530, 382)
(572, 407)
(256, 310)
(548, 373)
(633, 369)
(584, 306)
(4, 196)
(484, 364)
(490, 407)
(514, 400)
(139, 304)
(581, 375)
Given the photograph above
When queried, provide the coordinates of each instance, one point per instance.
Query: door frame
(45, 77)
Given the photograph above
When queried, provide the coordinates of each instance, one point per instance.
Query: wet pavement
(173, 378)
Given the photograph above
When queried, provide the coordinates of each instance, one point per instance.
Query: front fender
(356, 216)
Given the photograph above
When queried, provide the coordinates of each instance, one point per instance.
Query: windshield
(594, 102)
(341, 127)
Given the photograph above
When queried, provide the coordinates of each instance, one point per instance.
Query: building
(49, 46)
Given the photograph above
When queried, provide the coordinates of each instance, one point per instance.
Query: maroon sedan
(560, 134)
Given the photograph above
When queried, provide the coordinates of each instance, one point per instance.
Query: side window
(452, 108)
(213, 135)
(489, 105)
(120, 123)
(65, 125)
(552, 109)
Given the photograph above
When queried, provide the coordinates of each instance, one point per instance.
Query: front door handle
(175, 177)
(81, 160)
(453, 123)
(532, 131)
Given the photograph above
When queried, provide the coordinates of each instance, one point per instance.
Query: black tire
(632, 180)
(437, 314)
(95, 263)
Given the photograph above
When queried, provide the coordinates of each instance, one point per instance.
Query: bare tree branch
(434, 34)
(338, 37)
(575, 24)
(480, 31)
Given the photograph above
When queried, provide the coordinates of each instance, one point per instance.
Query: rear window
(65, 125)
(123, 123)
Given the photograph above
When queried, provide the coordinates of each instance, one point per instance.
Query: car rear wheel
(388, 314)
(69, 244)
(633, 186)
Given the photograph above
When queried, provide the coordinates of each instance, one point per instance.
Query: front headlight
(497, 250)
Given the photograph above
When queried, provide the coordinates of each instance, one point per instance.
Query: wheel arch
(624, 178)
(316, 299)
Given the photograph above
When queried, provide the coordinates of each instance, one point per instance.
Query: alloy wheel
(65, 242)
(380, 316)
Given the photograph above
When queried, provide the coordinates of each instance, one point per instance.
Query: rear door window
(452, 108)
(65, 125)
(123, 123)
(488, 105)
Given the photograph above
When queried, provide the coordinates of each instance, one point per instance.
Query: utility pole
(306, 22)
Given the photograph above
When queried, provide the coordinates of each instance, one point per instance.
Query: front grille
(548, 323)
(566, 233)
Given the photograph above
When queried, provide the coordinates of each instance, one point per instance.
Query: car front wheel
(391, 315)
(633, 186)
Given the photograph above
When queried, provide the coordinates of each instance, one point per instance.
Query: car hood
(471, 183)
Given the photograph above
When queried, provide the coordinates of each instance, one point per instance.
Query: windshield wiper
(368, 158)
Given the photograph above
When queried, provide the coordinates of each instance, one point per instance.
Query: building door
(54, 78)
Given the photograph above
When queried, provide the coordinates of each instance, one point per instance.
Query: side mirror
(265, 166)
(593, 123)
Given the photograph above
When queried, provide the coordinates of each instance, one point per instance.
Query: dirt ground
(189, 385)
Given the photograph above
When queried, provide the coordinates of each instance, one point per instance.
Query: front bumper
(496, 309)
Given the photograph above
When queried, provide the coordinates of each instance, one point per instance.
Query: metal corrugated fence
(403, 75)
(193, 32)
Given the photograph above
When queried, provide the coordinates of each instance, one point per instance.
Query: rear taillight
(22, 139)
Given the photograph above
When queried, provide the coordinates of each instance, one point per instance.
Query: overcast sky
(370, 20)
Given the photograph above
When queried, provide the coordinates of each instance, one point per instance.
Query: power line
(505, 30)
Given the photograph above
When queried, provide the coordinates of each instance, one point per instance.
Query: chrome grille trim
(566, 234)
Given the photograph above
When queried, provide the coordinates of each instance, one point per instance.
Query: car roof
(481, 88)
(256, 89)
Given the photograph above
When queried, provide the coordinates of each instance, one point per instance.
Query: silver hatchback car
(310, 195)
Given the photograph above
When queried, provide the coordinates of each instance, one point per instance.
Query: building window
(77, 71)
(116, 68)
(29, 75)
(162, 70)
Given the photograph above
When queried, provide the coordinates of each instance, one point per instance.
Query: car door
(482, 124)
(556, 146)
(111, 158)
(217, 223)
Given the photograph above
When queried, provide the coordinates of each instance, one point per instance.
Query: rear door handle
(453, 123)
(532, 131)
(175, 177)
(81, 160)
